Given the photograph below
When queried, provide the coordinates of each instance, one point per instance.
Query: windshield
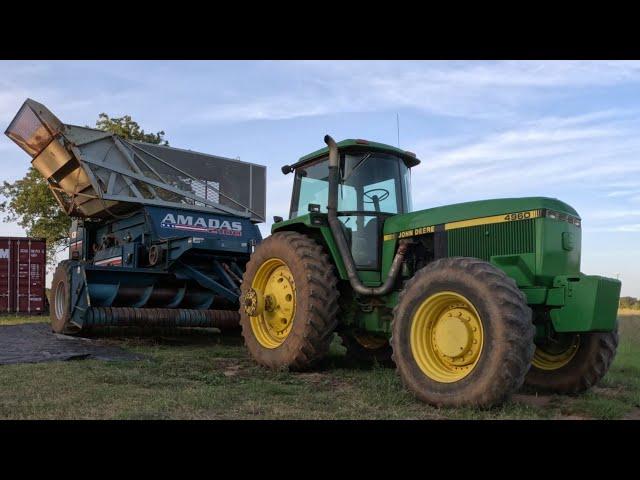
(370, 182)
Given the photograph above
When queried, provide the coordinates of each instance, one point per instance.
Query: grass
(205, 376)
(18, 319)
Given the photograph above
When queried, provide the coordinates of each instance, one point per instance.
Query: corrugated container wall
(23, 263)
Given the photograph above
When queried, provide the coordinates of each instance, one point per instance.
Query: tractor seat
(364, 246)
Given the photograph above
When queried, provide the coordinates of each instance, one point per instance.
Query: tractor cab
(374, 183)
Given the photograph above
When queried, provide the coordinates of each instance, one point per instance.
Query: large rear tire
(289, 302)
(60, 308)
(462, 334)
(572, 364)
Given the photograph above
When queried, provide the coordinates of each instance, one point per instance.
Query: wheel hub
(253, 302)
(452, 335)
(270, 303)
(446, 337)
(275, 302)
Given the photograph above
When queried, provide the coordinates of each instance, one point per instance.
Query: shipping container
(23, 263)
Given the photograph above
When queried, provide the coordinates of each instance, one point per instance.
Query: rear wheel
(572, 363)
(289, 302)
(60, 308)
(462, 334)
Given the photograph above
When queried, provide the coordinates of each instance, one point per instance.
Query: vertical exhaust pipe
(341, 242)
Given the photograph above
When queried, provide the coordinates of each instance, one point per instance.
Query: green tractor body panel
(352, 144)
(501, 227)
(590, 304)
(534, 240)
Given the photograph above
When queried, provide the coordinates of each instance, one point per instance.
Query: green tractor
(469, 301)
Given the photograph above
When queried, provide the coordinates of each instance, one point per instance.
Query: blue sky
(562, 129)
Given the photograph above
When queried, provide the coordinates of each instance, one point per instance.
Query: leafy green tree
(29, 201)
(31, 204)
(125, 127)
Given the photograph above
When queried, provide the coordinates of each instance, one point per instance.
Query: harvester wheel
(60, 313)
(367, 349)
(289, 302)
(572, 363)
(462, 334)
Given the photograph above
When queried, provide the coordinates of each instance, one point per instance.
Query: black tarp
(35, 343)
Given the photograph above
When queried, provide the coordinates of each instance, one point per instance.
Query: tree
(630, 302)
(30, 203)
(126, 128)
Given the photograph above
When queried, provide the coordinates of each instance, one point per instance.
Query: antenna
(398, 126)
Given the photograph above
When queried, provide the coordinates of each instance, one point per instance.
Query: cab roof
(409, 158)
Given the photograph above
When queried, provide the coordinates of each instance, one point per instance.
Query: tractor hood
(475, 210)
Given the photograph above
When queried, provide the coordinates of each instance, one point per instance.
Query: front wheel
(572, 363)
(462, 334)
(289, 302)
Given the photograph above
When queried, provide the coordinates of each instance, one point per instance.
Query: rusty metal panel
(22, 275)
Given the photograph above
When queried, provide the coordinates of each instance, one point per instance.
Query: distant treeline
(630, 302)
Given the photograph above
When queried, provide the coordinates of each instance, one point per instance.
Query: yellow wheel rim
(446, 337)
(273, 284)
(544, 359)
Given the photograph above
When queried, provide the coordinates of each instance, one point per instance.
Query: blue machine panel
(213, 231)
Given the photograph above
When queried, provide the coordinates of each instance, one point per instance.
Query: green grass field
(205, 376)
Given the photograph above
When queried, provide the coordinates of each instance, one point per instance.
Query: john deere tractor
(469, 301)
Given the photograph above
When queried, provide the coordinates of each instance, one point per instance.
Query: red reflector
(362, 142)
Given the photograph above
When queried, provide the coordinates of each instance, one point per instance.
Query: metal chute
(96, 174)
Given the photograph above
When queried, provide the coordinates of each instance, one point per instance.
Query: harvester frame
(159, 235)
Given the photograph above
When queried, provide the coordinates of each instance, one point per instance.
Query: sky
(563, 129)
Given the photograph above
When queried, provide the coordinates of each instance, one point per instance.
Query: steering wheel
(370, 194)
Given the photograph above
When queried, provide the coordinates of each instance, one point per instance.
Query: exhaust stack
(341, 242)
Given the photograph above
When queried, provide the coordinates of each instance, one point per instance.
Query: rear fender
(316, 227)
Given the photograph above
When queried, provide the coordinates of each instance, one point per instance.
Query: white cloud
(622, 193)
(543, 152)
(519, 144)
(629, 228)
(632, 227)
(278, 108)
(576, 158)
(609, 214)
(284, 90)
(467, 89)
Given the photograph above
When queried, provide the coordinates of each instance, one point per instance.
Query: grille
(484, 241)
